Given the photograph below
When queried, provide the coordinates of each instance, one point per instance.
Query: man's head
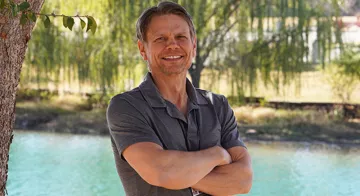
(163, 8)
(166, 38)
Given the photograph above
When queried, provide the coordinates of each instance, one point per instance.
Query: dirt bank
(254, 125)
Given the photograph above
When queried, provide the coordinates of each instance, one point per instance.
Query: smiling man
(170, 139)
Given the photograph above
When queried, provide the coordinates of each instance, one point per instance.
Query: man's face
(169, 48)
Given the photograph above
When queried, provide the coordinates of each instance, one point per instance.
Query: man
(168, 137)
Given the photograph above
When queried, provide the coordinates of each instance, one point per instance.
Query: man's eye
(160, 39)
(182, 37)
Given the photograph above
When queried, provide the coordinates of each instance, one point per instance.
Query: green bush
(98, 100)
(34, 94)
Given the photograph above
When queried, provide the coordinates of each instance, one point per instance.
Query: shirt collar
(154, 98)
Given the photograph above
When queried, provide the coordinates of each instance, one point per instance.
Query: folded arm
(139, 144)
(230, 179)
(234, 178)
(173, 169)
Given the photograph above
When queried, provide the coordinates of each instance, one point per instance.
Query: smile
(172, 57)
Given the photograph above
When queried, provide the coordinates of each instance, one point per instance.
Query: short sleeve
(127, 125)
(230, 136)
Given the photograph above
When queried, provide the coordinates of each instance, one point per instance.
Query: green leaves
(14, 9)
(23, 6)
(83, 24)
(65, 19)
(23, 18)
(2, 4)
(91, 24)
(27, 15)
(47, 22)
(70, 23)
(32, 16)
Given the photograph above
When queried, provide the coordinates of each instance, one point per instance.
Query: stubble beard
(175, 69)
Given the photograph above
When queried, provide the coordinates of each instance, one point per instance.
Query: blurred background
(289, 68)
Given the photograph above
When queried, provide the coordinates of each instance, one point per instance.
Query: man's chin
(173, 71)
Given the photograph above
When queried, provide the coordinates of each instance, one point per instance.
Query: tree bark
(195, 73)
(13, 45)
(197, 67)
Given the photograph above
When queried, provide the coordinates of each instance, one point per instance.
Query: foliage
(342, 85)
(27, 15)
(213, 25)
(99, 100)
(82, 63)
(272, 43)
(247, 115)
(344, 74)
(34, 95)
(265, 40)
(350, 61)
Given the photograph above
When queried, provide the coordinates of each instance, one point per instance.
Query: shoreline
(267, 127)
(249, 142)
(337, 145)
(306, 144)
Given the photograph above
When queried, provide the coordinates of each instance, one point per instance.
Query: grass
(315, 87)
(261, 123)
(281, 117)
(60, 114)
(61, 105)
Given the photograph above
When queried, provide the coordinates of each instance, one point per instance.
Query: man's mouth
(172, 57)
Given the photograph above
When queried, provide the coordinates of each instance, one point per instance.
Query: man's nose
(172, 43)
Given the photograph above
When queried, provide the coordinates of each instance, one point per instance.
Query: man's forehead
(166, 31)
(168, 23)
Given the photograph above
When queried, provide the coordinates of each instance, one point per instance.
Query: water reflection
(61, 164)
(64, 164)
(305, 170)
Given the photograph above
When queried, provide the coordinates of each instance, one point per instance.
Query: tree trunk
(195, 74)
(196, 68)
(13, 44)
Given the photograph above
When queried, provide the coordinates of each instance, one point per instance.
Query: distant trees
(265, 39)
(247, 40)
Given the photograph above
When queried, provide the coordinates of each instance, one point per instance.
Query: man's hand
(226, 156)
(230, 179)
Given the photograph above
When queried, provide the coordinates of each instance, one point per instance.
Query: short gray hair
(163, 8)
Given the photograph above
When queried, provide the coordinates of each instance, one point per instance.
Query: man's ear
(142, 50)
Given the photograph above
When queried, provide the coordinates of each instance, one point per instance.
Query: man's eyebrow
(182, 33)
(157, 34)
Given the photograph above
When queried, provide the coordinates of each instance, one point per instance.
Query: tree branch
(61, 15)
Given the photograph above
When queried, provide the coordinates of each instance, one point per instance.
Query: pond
(53, 164)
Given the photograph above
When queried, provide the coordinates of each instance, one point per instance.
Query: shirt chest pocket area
(210, 134)
(196, 134)
(171, 133)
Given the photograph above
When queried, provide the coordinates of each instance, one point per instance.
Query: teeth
(172, 57)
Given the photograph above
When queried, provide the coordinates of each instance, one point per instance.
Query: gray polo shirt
(142, 115)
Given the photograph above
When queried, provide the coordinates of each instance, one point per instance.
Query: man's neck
(173, 89)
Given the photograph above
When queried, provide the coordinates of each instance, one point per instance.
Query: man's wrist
(222, 155)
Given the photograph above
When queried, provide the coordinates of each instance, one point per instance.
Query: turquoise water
(62, 164)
